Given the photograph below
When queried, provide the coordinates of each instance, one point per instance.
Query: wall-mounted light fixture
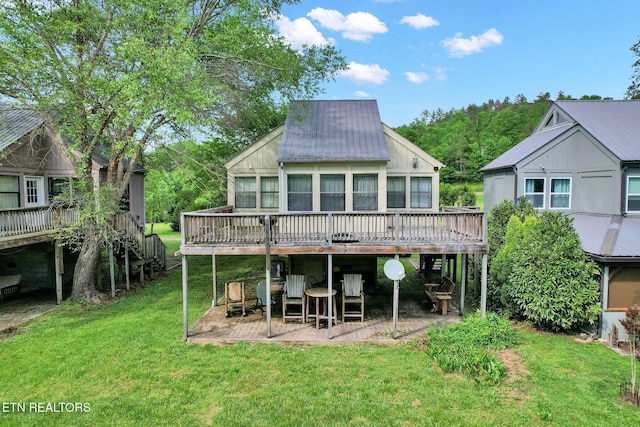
(436, 168)
(415, 161)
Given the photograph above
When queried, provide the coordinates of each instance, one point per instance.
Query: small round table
(319, 294)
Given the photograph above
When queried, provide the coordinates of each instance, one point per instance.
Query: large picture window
(245, 192)
(396, 192)
(421, 193)
(269, 192)
(633, 194)
(534, 191)
(299, 193)
(332, 193)
(560, 194)
(9, 192)
(365, 192)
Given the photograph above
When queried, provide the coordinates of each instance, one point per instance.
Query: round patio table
(321, 294)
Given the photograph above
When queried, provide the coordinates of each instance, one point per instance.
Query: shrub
(500, 269)
(552, 282)
(463, 347)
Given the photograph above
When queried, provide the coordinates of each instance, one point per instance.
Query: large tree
(116, 75)
(633, 91)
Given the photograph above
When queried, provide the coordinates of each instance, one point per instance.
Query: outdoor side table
(321, 295)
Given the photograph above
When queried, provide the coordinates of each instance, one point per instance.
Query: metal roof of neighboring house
(536, 141)
(16, 123)
(346, 130)
(615, 124)
(608, 236)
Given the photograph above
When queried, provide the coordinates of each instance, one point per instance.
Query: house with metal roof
(325, 194)
(583, 159)
(33, 170)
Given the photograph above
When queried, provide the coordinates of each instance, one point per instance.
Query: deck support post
(112, 274)
(396, 297)
(185, 311)
(483, 287)
(59, 267)
(463, 287)
(214, 280)
(330, 312)
(267, 242)
(126, 267)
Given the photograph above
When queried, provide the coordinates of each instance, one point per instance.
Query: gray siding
(498, 185)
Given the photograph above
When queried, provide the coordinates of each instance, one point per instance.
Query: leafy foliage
(631, 323)
(633, 91)
(121, 75)
(457, 195)
(498, 223)
(552, 281)
(463, 347)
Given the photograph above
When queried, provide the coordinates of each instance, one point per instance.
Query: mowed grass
(127, 361)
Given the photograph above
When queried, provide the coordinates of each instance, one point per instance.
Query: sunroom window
(299, 192)
(332, 193)
(421, 192)
(365, 192)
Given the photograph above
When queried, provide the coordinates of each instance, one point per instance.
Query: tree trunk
(84, 276)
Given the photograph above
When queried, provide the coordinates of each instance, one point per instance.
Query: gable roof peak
(333, 131)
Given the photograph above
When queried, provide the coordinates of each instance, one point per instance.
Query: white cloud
(420, 21)
(300, 32)
(365, 73)
(358, 26)
(459, 46)
(441, 73)
(361, 94)
(416, 77)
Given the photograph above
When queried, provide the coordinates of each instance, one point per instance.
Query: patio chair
(353, 294)
(293, 295)
(261, 298)
(234, 298)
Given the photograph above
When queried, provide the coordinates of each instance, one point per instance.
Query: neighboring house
(33, 170)
(584, 159)
(339, 188)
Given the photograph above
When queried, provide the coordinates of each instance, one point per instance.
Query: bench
(9, 285)
(440, 294)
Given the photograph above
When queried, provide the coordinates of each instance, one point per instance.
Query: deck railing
(20, 222)
(205, 227)
(16, 222)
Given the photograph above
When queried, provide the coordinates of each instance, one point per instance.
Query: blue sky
(412, 55)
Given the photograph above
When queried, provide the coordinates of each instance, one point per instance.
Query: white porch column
(396, 302)
(267, 233)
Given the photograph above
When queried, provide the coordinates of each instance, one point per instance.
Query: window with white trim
(534, 191)
(269, 192)
(420, 196)
(245, 192)
(396, 192)
(633, 194)
(299, 193)
(365, 192)
(560, 193)
(332, 193)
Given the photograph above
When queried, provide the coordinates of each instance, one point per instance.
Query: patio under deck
(414, 319)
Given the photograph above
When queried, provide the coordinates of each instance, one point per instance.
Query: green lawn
(126, 361)
(162, 230)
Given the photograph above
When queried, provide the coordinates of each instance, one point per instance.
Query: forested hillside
(469, 138)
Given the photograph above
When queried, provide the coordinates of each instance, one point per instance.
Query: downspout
(515, 180)
(282, 187)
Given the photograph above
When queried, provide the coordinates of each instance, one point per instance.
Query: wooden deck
(220, 232)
